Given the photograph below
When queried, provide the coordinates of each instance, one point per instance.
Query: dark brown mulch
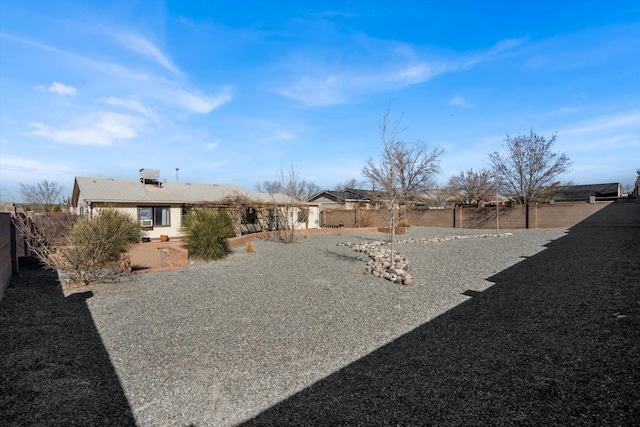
(54, 369)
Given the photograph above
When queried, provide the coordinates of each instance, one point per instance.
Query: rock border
(380, 263)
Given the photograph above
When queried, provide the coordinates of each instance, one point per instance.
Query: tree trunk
(392, 233)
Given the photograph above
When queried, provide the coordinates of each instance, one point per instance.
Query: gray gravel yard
(218, 343)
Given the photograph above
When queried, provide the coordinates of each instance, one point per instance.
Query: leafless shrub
(45, 234)
(81, 250)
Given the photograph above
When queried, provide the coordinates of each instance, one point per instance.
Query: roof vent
(150, 176)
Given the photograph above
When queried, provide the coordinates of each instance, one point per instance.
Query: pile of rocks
(459, 237)
(380, 263)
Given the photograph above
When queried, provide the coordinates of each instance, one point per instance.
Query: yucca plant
(205, 232)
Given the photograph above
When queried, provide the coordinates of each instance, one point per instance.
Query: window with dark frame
(250, 216)
(160, 215)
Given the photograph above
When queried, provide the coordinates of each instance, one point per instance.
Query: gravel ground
(218, 343)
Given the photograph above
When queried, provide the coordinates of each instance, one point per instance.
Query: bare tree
(528, 165)
(403, 170)
(288, 194)
(310, 189)
(44, 194)
(472, 187)
(352, 183)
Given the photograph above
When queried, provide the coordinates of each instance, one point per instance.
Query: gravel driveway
(218, 343)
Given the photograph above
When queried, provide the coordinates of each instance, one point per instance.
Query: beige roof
(132, 191)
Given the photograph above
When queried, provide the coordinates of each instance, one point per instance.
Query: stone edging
(380, 263)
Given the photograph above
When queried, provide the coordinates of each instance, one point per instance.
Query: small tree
(44, 194)
(403, 170)
(288, 195)
(528, 165)
(472, 187)
(206, 232)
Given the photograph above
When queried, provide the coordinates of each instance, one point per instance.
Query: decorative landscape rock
(380, 263)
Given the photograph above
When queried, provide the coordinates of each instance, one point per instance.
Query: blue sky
(229, 92)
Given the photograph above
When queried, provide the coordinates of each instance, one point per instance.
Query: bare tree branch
(44, 194)
(472, 187)
(291, 208)
(528, 165)
(403, 170)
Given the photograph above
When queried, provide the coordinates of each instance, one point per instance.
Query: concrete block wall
(430, 217)
(563, 214)
(236, 242)
(540, 216)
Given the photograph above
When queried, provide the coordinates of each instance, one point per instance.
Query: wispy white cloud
(186, 21)
(417, 73)
(17, 169)
(563, 110)
(629, 119)
(141, 45)
(198, 103)
(216, 165)
(395, 66)
(167, 92)
(132, 105)
(337, 13)
(58, 88)
(99, 129)
(211, 145)
(324, 91)
(458, 101)
(283, 135)
(103, 67)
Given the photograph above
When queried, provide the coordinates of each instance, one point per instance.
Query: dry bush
(44, 234)
(81, 250)
(96, 245)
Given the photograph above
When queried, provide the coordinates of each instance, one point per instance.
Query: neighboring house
(349, 198)
(575, 193)
(161, 206)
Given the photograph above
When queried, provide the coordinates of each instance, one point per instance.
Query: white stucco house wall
(160, 206)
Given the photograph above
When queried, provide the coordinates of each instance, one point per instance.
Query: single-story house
(348, 198)
(161, 206)
(575, 193)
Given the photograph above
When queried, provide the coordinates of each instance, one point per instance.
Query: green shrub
(96, 245)
(206, 231)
